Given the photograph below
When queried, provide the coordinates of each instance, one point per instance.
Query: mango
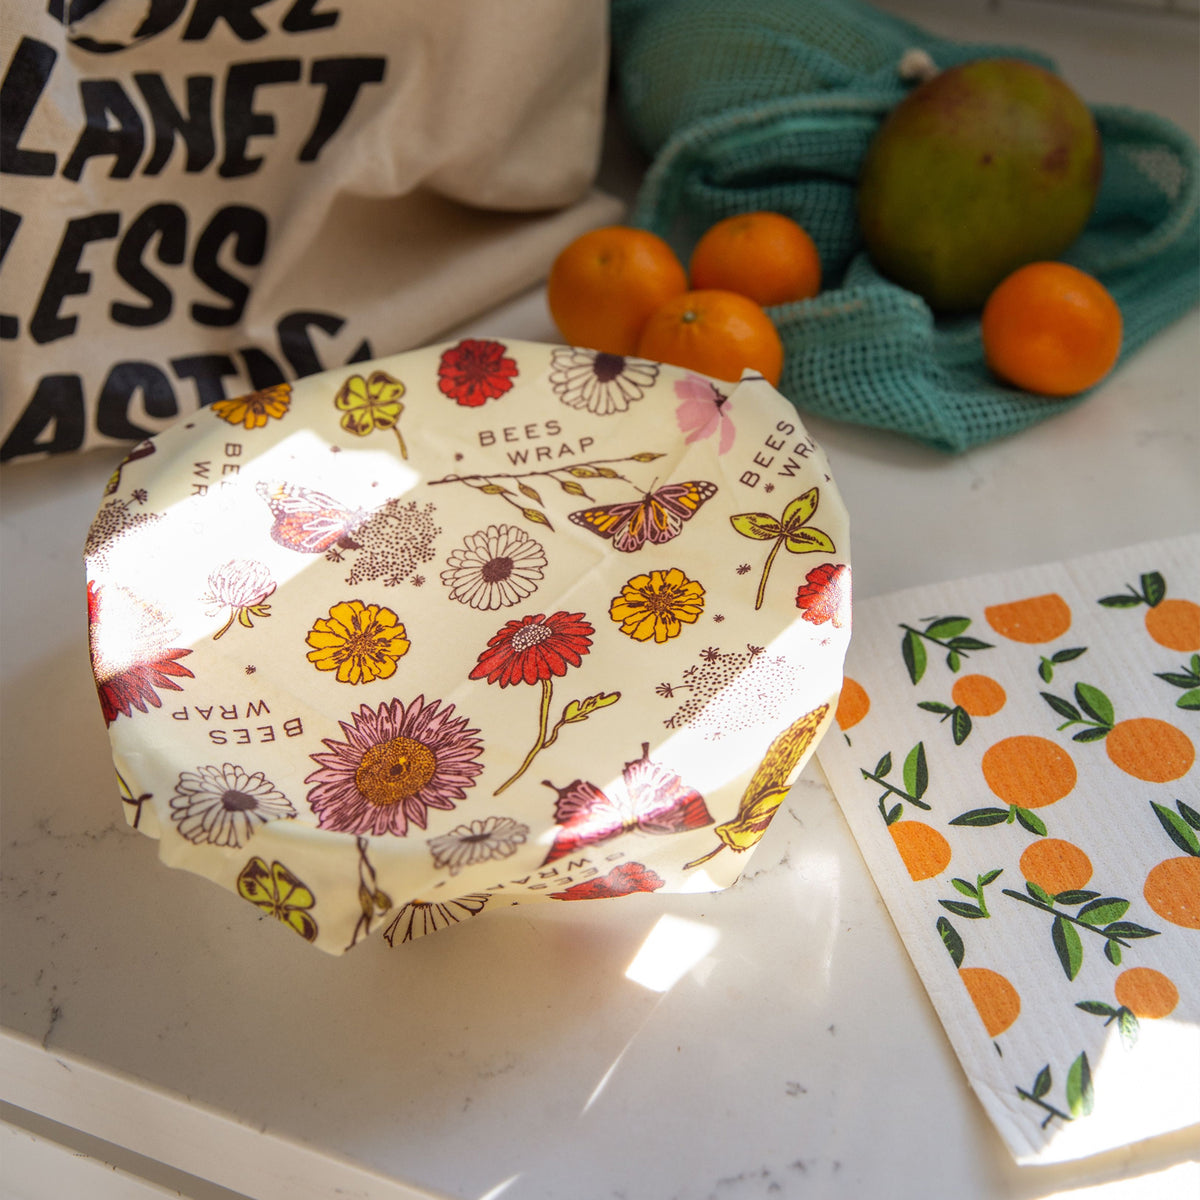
(983, 168)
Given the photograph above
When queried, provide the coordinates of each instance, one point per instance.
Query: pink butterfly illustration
(309, 521)
(649, 797)
(657, 517)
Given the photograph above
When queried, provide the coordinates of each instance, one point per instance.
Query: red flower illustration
(130, 655)
(476, 371)
(534, 648)
(825, 596)
(622, 880)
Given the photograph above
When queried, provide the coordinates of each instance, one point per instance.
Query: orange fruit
(853, 704)
(1028, 771)
(979, 695)
(715, 333)
(922, 849)
(1033, 620)
(1146, 992)
(763, 255)
(1055, 865)
(996, 1000)
(1150, 749)
(1175, 624)
(604, 285)
(1172, 889)
(1051, 329)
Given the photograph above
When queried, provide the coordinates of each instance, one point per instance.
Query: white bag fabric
(202, 198)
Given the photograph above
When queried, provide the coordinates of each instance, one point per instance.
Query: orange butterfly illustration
(309, 521)
(656, 518)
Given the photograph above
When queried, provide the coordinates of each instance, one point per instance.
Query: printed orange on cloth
(483, 623)
(1034, 728)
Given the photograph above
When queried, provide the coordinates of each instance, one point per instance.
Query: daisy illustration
(420, 917)
(224, 805)
(598, 382)
(476, 842)
(396, 763)
(498, 567)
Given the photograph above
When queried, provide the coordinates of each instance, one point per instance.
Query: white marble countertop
(528, 1055)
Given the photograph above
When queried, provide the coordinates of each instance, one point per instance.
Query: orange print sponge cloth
(479, 624)
(1016, 757)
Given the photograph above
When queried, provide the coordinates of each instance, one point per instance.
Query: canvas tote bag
(202, 198)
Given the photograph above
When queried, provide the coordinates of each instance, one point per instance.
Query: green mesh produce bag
(770, 104)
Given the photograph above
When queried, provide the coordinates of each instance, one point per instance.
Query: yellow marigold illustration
(657, 605)
(256, 409)
(361, 642)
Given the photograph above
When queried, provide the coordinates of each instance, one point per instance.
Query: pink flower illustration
(704, 410)
(395, 764)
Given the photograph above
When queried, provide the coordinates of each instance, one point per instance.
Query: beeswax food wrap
(1017, 760)
(478, 624)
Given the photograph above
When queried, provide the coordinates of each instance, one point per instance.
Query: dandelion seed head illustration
(734, 690)
(114, 522)
(395, 540)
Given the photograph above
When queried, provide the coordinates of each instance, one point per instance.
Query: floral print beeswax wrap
(477, 624)
(1016, 757)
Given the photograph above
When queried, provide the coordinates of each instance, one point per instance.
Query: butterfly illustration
(309, 521)
(657, 517)
(649, 797)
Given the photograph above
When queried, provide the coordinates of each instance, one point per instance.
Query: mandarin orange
(763, 255)
(1051, 329)
(604, 285)
(716, 333)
